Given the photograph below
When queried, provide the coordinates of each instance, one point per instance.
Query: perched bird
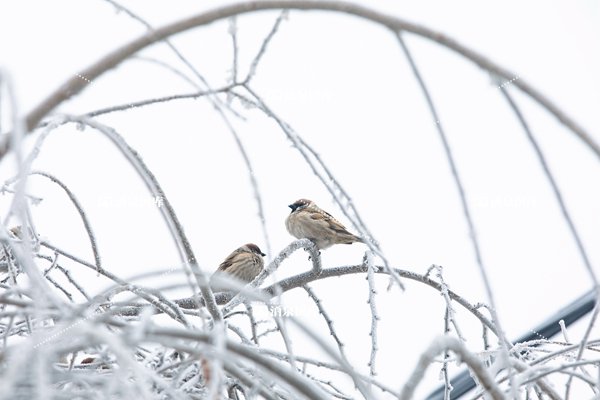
(244, 263)
(307, 220)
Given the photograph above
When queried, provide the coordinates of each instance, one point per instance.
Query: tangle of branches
(61, 338)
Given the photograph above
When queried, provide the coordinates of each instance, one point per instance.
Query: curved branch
(313, 296)
(307, 277)
(291, 377)
(446, 343)
(553, 184)
(166, 210)
(160, 303)
(82, 214)
(75, 84)
(168, 213)
(300, 280)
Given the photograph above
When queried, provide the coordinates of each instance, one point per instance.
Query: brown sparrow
(244, 263)
(307, 220)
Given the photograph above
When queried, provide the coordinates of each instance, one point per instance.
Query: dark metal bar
(463, 383)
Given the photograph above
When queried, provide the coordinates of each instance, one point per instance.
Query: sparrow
(244, 263)
(307, 220)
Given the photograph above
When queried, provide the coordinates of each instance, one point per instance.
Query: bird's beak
(263, 254)
(292, 207)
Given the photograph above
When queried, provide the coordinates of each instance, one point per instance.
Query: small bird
(307, 220)
(244, 263)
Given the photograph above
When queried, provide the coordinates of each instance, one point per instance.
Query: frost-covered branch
(75, 84)
(440, 345)
(368, 261)
(313, 296)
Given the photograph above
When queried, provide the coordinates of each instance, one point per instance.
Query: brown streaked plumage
(307, 220)
(244, 263)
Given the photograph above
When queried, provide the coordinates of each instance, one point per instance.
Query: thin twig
(158, 100)
(368, 261)
(438, 346)
(263, 47)
(554, 185)
(80, 211)
(233, 33)
(326, 317)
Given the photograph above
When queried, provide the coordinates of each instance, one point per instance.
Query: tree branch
(75, 84)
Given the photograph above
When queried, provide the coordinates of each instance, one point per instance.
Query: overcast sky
(344, 85)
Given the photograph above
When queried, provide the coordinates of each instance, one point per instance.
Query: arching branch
(75, 84)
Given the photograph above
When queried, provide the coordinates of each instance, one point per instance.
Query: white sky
(345, 86)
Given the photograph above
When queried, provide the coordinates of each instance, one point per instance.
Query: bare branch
(368, 261)
(554, 185)
(75, 84)
(438, 346)
(82, 214)
(313, 296)
(263, 47)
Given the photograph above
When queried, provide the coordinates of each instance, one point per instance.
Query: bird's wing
(331, 222)
(228, 261)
